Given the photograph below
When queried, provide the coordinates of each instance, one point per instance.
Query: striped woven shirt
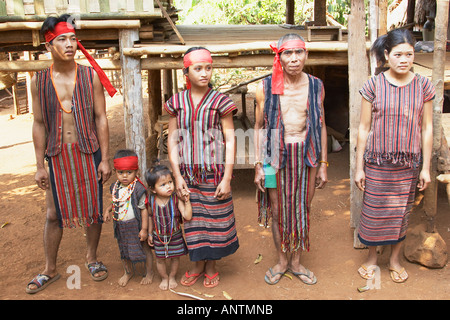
(82, 109)
(201, 143)
(397, 111)
(167, 219)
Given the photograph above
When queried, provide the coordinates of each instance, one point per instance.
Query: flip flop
(307, 274)
(190, 283)
(210, 285)
(367, 272)
(96, 267)
(41, 281)
(267, 279)
(396, 275)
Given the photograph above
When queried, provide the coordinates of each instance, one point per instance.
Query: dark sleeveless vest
(82, 109)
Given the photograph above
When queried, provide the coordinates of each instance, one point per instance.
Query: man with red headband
(70, 131)
(291, 154)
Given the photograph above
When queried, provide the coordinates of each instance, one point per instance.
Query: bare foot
(148, 279)
(172, 283)
(164, 284)
(125, 278)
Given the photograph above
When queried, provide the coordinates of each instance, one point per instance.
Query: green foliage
(339, 9)
(253, 11)
(233, 12)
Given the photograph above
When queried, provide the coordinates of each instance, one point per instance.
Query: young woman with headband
(201, 152)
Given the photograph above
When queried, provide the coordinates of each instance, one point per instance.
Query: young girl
(201, 137)
(394, 144)
(130, 217)
(166, 215)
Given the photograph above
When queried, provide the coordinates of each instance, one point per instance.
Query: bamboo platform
(38, 10)
(223, 34)
(235, 46)
(98, 21)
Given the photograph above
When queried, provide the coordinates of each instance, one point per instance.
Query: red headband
(65, 27)
(193, 57)
(126, 163)
(277, 70)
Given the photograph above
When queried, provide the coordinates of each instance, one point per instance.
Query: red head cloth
(64, 27)
(196, 56)
(126, 163)
(277, 70)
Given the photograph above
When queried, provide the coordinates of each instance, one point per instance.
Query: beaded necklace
(126, 197)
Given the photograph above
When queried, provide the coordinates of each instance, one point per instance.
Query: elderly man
(70, 130)
(291, 154)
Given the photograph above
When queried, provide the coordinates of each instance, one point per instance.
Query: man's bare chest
(294, 105)
(64, 87)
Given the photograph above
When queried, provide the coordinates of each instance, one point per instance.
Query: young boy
(130, 217)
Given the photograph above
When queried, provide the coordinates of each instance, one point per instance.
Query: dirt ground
(332, 256)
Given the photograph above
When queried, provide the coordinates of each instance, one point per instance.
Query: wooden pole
(290, 11)
(80, 24)
(174, 27)
(330, 46)
(158, 63)
(382, 19)
(28, 56)
(410, 12)
(320, 12)
(154, 109)
(167, 83)
(14, 91)
(357, 74)
(132, 98)
(440, 40)
(373, 31)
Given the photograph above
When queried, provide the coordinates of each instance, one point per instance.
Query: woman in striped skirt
(201, 153)
(393, 149)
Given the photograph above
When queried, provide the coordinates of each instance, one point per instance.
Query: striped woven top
(200, 139)
(82, 110)
(397, 112)
(167, 218)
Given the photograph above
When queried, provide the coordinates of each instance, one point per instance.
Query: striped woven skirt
(211, 233)
(388, 200)
(293, 185)
(77, 193)
(130, 246)
(293, 209)
(169, 246)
